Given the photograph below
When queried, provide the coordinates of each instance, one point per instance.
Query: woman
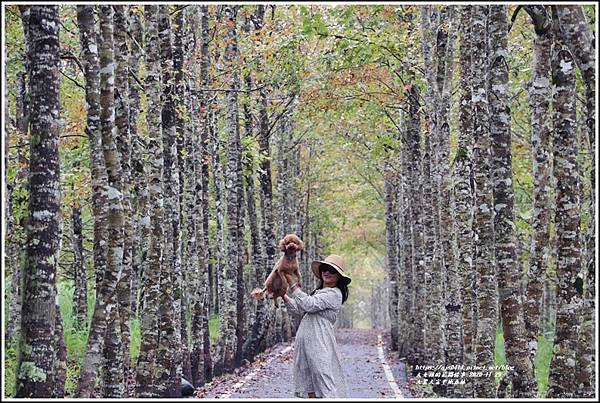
(317, 368)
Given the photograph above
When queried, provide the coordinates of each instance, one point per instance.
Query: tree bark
(147, 360)
(123, 142)
(391, 252)
(580, 40)
(92, 359)
(80, 291)
(540, 141)
(561, 381)
(141, 224)
(463, 197)
(487, 294)
(166, 382)
(524, 384)
(228, 337)
(113, 377)
(36, 359)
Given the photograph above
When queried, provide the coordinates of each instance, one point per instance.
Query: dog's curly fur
(276, 284)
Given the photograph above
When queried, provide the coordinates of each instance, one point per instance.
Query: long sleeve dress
(317, 365)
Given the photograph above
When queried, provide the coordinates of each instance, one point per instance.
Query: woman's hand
(289, 278)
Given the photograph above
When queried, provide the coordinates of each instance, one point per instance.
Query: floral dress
(317, 365)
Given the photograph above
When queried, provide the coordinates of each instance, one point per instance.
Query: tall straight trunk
(186, 41)
(220, 218)
(88, 34)
(182, 359)
(36, 358)
(415, 218)
(463, 198)
(561, 381)
(255, 322)
(200, 360)
(451, 300)
(509, 271)
(205, 158)
(109, 220)
(123, 141)
(60, 355)
(540, 141)
(266, 205)
(405, 252)
(166, 382)
(487, 294)
(580, 40)
(432, 325)
(113, 377)
(147, 360)
(141, 224)
(391, 251)
(434, 54)
(80, 291)
(228, 338)
(282, 176)
(15, 223)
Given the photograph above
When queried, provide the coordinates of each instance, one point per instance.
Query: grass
(542, 360)
(213, 328)
(499, 354)
(542, 363)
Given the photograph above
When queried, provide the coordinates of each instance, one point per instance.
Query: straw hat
(334, 261)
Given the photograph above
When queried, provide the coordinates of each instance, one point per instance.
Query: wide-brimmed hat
(334, 261)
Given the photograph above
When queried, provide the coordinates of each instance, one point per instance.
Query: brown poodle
(276, 284)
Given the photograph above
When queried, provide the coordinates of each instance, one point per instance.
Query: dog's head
(291, 242)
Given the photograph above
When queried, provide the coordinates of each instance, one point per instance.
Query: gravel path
(270, 376)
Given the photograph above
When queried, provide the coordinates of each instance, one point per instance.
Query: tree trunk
(16, 222)
(391, 251)
(200, 360)
(540, 141)
(80, 292)
(487, 294)
(561, 381)
(166, 382)
(113, 380)
(524, 384)
(123, 142)
(580, 40)
(36, 358)
(88, 38)
(147, 360)
(141, 224)
(415, 218)
(463, 197)
(227, 344)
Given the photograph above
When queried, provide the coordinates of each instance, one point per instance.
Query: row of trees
(177, 182)
(451, 230)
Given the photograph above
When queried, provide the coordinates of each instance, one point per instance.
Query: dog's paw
(257, 293)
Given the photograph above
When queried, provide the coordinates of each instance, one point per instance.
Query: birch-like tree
(509, 271)
(487, 294)
(36, 365)
(147, 360)
(227, 344)
(539, 101)
(561, 381)
(463, 197)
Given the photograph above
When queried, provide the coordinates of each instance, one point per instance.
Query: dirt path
(270, 376)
